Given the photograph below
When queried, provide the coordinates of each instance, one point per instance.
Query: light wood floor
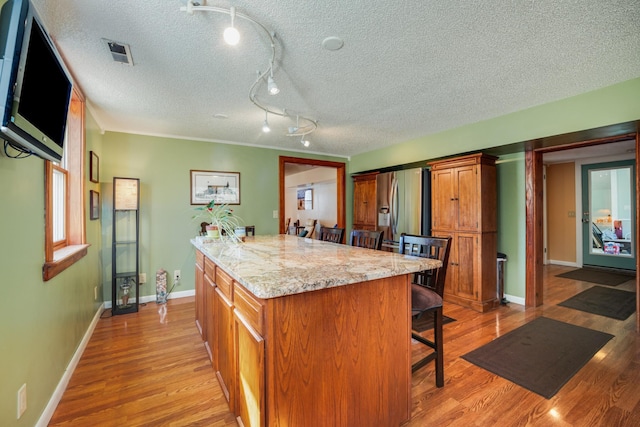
(151, 368)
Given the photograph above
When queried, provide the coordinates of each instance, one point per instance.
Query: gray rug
(599, 276)
(608, 302)
(540, 356)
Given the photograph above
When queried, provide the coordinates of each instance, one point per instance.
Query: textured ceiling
(407, 68)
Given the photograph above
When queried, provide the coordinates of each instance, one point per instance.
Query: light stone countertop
(274, 266)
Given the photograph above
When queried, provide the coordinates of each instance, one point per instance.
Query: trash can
(502, 258)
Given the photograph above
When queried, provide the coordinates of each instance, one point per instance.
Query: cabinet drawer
(200, 259)
(209, 269)
(224, 282)
(250, 308)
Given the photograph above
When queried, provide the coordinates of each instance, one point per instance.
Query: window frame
(61, 255)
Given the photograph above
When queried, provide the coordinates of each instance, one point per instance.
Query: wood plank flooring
(151, 368)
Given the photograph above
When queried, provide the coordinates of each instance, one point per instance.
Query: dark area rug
(608, 302)
(426, 322)
(599, 276)
(540, 356)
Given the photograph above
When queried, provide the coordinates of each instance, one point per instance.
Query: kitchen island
(303, 332)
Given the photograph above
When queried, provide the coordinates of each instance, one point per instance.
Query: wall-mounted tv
(35, 87)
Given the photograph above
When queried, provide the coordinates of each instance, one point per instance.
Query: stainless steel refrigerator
(401, 202)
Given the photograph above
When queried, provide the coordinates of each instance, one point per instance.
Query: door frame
(340, 186)
(534, 150)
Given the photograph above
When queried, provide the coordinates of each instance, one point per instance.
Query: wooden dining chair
(334, 234)
(427, 289)
(366, 239)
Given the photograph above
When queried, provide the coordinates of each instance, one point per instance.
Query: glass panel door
(608, 219)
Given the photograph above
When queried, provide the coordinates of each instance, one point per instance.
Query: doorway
(534, 197)
(608, 215)
(340, 169)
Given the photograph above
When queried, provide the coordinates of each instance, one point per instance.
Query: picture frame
(94, 205)
(221, 187)
(94, 167)
(305, 199)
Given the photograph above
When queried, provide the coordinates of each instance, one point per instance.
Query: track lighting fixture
(231, 34)
(232, 37)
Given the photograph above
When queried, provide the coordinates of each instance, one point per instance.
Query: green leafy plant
(221, 216)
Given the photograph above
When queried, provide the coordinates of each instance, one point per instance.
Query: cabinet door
(250, 387)
(467, 195)
(443, 199)
(200, 297)
(466, 266)
(224, 344)
(364, 203)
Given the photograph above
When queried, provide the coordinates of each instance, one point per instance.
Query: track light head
(272, 87)
(265, 127)
(231, 34)
(304, 142)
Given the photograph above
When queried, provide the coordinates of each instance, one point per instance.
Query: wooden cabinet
(464, 206)
(364, 201)
(199, 290)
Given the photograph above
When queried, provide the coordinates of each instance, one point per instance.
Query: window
(64, 198)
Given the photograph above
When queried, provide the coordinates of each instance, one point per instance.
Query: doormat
(541, 355)
(608, 302)
(599, 276)
(426, 322)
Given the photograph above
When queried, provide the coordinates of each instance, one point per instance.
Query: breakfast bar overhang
(308, 333)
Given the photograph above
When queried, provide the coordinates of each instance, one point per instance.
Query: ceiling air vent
(120, 52)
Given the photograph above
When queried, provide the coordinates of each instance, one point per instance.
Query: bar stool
(427, 288)
(366, 239)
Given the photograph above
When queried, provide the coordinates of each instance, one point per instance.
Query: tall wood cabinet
(464, 206)
(364, 201)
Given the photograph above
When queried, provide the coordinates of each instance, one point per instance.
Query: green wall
(41, 323)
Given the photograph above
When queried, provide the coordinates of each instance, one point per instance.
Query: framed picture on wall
(94, 205)
(94, 167)
(221, 187)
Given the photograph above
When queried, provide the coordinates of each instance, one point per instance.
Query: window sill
(63, 259)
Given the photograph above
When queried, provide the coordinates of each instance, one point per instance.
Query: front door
(608, 218)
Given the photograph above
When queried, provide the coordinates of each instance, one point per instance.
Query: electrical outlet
(275, 214)
(95, 293)
(143, 278)
(22, 400)
(176, 276)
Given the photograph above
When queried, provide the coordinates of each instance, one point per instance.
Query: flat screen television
(35, 87)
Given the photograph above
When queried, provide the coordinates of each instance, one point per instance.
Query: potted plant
(222, 221)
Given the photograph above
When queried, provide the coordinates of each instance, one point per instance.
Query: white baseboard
(515, 300)
(66, 377)
(152, 298)
(563, 263)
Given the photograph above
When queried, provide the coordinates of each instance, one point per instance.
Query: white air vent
(120, 52)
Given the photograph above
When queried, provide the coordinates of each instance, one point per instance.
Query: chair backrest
(250, 230)
(334, 234)
(310, 227)
(366, 239)
(428, 247)
(203, 228)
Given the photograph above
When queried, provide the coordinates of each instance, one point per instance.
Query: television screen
(39, 90)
